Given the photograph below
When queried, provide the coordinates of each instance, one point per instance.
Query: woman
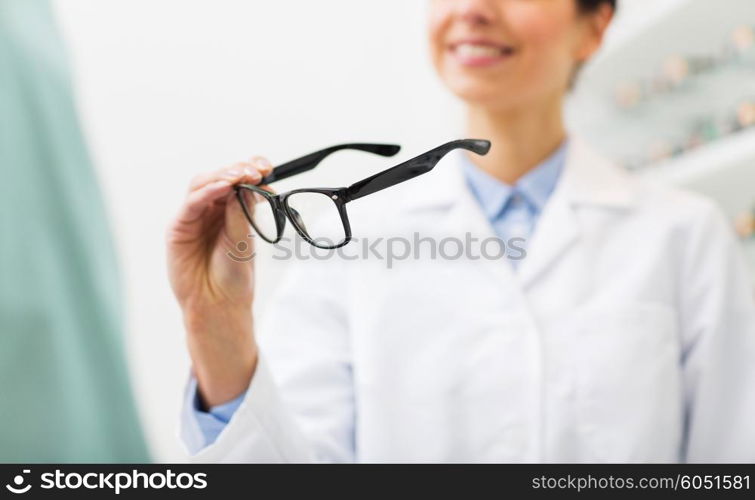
(626, 334)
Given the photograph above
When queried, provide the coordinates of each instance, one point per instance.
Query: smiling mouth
(481, 53)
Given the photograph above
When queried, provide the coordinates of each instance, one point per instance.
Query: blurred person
(627, 334)
(64, 388)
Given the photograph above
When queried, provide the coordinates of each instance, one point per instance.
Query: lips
(478, 53)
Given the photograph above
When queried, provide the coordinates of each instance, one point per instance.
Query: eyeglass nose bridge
(297, 218)
(280, 216)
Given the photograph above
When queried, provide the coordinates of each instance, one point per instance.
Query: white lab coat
(627, 334)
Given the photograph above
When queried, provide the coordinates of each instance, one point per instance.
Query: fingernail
(264, 163)
(233, 173)
(252, 173)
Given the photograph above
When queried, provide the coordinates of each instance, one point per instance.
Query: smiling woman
(529, 49)
(587, 350)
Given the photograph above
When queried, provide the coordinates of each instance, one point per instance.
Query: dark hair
(591, 5)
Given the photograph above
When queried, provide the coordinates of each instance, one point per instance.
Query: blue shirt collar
(535, 186)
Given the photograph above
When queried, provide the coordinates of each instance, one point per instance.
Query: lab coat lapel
(555, 232)
(467, 216)
(588, 181)
(463, 215)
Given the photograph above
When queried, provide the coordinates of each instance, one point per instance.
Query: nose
(475, 12)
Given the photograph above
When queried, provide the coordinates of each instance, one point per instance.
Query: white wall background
(170, 88)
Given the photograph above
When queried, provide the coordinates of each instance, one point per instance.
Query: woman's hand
(212, 275)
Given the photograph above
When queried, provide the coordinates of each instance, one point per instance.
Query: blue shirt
(512, 211)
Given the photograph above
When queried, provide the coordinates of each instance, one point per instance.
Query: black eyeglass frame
(343, 195)
(282, 211)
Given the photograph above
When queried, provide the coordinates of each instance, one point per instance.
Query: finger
(236, 173)
(262, 164)
(237, 232)
(198, 201)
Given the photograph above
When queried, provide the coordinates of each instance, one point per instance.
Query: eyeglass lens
(317, 216)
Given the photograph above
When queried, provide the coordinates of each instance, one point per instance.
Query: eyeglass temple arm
(310, 161)
(412, 168)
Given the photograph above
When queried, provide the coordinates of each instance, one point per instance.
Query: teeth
(470, 50)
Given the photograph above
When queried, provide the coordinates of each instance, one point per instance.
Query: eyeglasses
(319, 214)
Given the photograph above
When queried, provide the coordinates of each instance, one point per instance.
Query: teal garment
(64, 387)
